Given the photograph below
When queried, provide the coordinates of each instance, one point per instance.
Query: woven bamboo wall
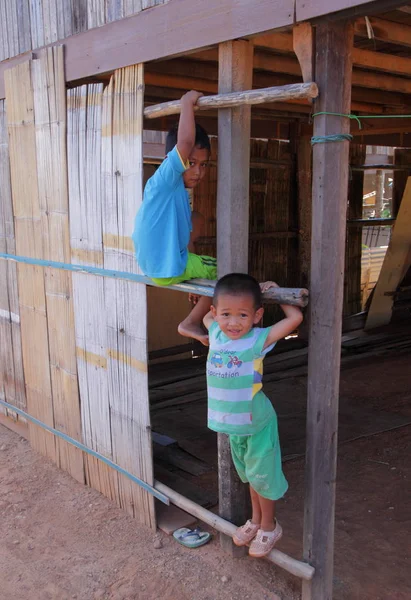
(12, 388)
(83, 337)
(31, 24)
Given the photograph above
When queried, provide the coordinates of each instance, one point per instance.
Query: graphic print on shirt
(234, 379)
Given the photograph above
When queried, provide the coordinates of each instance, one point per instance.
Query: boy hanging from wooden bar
(165, 228)
(236, 404)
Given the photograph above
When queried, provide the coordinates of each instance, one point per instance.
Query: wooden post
(234, 124)
(304, 192)
(333, 67)
(352, 302)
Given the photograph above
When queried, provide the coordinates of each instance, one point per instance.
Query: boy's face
(198, 160)
(236, 315)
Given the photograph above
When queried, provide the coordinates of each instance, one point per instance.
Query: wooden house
(82, 87)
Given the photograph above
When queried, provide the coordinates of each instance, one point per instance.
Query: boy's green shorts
(257, 459)
(198, 267)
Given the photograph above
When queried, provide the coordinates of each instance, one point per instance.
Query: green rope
(342, 137)
(337, 137)
(359, 117)
(354, 117)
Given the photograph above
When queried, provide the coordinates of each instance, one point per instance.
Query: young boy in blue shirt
(238, 407)
(163, 234)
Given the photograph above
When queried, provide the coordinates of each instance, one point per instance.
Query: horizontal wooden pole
(371, 222)
(261, 96)
(293, 296)
(202, 287)
(386, 167)
(291, 565)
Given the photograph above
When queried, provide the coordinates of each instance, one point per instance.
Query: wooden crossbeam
(380, 63)
(261, 96)
(386, 31)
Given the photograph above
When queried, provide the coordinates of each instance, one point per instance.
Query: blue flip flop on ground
(191, 538)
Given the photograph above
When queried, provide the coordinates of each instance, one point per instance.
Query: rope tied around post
(343, 137)
(337, 137)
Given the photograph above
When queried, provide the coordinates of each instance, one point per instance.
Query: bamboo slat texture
(12, 389)
(126, 303)
(49, 94)
(84, 114)
(37, 130)
(28, 232)
(31, 24)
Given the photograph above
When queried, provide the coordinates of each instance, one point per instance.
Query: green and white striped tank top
(236, 404)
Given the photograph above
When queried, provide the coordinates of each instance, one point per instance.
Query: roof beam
(181, 26)
(386, 31)
(376, 61)
(384, 63)
(179, 75)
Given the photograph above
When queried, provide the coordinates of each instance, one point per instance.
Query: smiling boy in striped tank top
(236, 404)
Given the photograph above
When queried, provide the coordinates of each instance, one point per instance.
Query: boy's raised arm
(186, 134)
(208, 320)
(293, 318)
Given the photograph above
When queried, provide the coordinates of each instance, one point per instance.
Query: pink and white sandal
(245, 533)
(265, 541)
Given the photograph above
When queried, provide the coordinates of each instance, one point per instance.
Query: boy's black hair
(202, 139)
(238, 284)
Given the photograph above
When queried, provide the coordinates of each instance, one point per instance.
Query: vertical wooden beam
(353, 250)
(402, 157)
(333, 70)
(304, 192)
(235, 74)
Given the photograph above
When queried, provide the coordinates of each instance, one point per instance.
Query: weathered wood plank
(49, 93)
(84, 114)
(396, 264)
(330, 181)
(126, 302)
(23, 17)
(235, 74)
(37, 24)
(12, 388)
(95, 13)
(28, 231)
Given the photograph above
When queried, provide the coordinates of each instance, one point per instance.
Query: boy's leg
(192, 326)
(201, 267)
(256, 506)
(267, 509)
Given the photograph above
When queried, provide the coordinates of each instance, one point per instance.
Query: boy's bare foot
(193, 330)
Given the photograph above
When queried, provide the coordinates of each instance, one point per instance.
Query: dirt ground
(60, 540)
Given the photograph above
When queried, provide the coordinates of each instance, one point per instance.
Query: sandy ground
(61, 540)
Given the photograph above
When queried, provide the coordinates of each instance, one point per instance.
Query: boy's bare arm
(208, 320)
(186, 134)
(293, 318)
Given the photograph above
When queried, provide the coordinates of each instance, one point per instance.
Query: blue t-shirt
(163, 222)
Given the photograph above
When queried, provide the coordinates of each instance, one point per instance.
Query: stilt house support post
(234, 124)
(333, 67)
